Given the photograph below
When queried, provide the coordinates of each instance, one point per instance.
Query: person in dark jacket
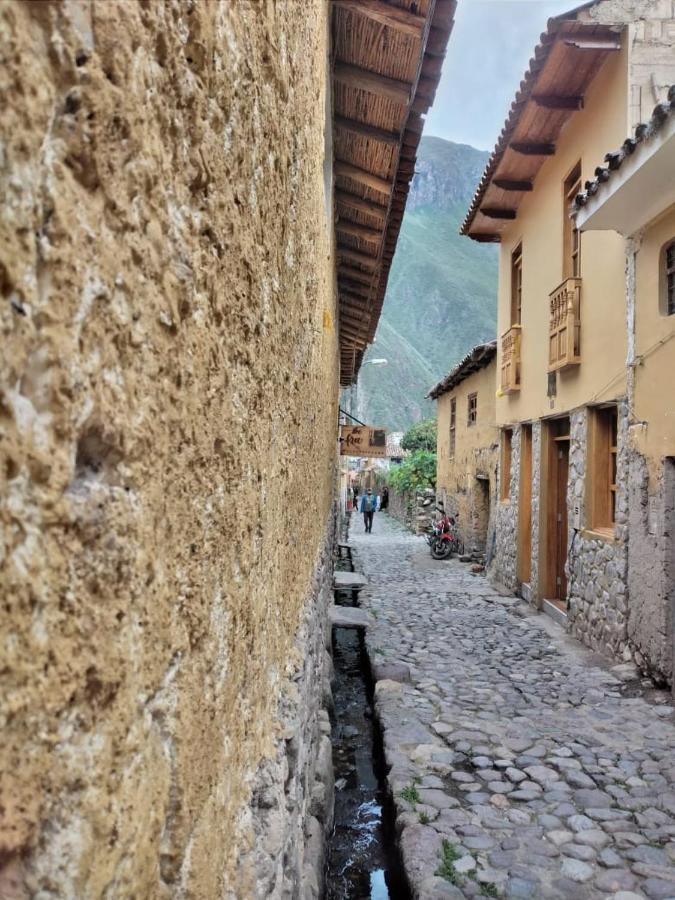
(368, 507)
(384, 499)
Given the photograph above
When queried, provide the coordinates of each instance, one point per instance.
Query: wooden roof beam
(355, 299)
(491, 213)
(527, 149)
(352, 201)
(349, 272)
(548, 101)
(372, 82)
(593, 43)
(359, 231)
(390, 138)
(363, 259)
(392, 16)
(353, 288)
(509, 184)
(361, 176)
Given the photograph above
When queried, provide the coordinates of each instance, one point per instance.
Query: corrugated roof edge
(539, 56)
(476, 359)
(614, 159)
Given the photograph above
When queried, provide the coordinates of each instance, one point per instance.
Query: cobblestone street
(521, 764)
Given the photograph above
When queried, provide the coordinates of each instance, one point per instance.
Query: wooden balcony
(564, 330)
(510, 370)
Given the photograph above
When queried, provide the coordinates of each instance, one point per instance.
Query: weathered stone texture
(596, 567)
(651, 60)
(503, 565)
(651, 517)
(168, 349)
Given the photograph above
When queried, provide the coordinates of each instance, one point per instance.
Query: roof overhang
(565, 62)
(637, 192)
(476, 359)
(386, 68)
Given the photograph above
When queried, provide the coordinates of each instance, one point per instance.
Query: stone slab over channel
(521, 767)
(349, 617)
(346, 580)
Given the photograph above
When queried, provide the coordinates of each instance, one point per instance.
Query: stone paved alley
(521, 765)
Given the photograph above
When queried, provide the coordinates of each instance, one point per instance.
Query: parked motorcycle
(443, 537)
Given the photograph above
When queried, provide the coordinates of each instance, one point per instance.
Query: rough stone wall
(503, 564)
(651, 521)
(168, 410)
(534, 592)
(596, 567)
(468, 501)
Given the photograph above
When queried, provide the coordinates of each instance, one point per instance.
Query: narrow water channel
(362, 858)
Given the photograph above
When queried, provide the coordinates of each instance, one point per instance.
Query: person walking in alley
(384, 499)
(368, 507)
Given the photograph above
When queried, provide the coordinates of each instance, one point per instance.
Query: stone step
(349, 617)
(346, 580)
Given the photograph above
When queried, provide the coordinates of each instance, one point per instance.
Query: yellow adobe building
(563, 405)
(467, 444)
(634, 196)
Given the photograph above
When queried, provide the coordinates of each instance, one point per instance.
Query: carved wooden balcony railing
(564, 331)
(510, 373)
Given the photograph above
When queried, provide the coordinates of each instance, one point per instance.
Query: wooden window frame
(517, 285)
(472, 409)
(571, 234)
(602, 468)
(667, 278)
(453, 428)
(505, 465)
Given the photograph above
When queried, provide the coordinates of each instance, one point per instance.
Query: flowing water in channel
(362, 859)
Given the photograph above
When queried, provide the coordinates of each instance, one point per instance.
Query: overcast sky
(489, 50)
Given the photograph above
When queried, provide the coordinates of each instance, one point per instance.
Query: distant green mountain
(441, 297)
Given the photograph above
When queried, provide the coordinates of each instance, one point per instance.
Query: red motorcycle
(443, 537)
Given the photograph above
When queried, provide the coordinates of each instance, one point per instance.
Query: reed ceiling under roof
(387, 58)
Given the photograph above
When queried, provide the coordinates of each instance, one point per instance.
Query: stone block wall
(503, 564)
(651, 59)
(651, 575)
(169, 367)
(596, 566)
(534, 592)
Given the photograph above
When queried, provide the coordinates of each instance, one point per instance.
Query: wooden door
(562, 469)
(525, 507)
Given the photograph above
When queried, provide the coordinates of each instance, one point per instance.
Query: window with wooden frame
(602, 468)
(472, 410)
(571, 234)
(505, 473)
(667, 279)
(453, 427)
(517, 285)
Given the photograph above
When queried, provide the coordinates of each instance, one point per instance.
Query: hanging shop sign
(363, 440)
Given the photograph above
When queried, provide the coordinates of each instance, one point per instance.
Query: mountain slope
(441, 297)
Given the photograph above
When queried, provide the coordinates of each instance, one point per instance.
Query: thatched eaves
(387, 64)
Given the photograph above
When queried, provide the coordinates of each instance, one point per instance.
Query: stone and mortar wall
(651, 60)
(414, 509)
(651, 577)
(534, 592)
(502, 565)
(474, 511)
(168, 349)
(596, 567)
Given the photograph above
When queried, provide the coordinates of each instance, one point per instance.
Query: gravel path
(520, 763)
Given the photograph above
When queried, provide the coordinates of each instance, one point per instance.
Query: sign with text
(363, 440)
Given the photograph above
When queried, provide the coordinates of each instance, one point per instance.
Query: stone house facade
(573, 495)
(467, 444)
(179, 310)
